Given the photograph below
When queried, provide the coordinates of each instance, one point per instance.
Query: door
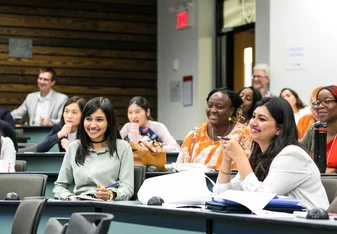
(243, 40)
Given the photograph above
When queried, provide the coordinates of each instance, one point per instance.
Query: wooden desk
(131, 217)
(50, 162)
(35, 134)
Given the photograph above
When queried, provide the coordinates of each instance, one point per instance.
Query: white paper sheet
(4, 165)
(252, 200)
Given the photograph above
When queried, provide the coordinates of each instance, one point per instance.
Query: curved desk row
(52, 161)
(132, 217)
(52, 177)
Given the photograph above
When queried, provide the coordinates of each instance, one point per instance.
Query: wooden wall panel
(97, 48)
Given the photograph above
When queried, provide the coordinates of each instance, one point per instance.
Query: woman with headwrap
(326, 107)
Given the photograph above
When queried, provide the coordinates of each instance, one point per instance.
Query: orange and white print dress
(198, 147)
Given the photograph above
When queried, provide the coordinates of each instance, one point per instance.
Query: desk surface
(132, 217)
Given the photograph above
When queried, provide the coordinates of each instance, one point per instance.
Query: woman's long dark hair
(111, 133)
(75, 99)
(283, 114)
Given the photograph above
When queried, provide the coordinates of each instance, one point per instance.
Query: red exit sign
(182, 19)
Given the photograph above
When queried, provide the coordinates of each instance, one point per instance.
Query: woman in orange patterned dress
(202, 144)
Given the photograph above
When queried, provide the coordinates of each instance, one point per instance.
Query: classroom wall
(308, 24)
(97, 48)
(193, 47)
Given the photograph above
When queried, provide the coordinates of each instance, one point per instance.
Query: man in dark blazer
(44, 107)
(5, 115)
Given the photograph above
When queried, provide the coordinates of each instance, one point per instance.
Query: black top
(51, 140)
(6, 130)
(5, 115)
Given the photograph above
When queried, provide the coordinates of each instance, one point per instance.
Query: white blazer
(57, 101)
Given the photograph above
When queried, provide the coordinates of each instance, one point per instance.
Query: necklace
(216, 137)
(97, 141)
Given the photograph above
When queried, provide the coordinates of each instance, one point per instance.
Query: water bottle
(134, 132)
(320, 145)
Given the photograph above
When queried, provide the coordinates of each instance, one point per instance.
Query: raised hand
(64, 131)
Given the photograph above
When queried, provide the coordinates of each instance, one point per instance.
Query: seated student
(250, 96)
(277, 163)
(202, 144)
(44, 108)
(8, 152)
(326, 107)
(66, 131)
(99, 157)
(295, 102)
(6, 130)
(5, 115)
(139, 112)
(307, 120)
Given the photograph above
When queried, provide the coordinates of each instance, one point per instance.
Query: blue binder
(281, 204)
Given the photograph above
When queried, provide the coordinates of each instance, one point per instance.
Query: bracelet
(225, 173)
(111, 195)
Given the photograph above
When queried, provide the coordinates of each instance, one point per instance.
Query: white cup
(134, 132)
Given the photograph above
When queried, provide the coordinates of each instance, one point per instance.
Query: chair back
(25, 185)
(139, 177)
(28, 215)
(89, 223)
(20, 165)
(330, 185)
(56, 226)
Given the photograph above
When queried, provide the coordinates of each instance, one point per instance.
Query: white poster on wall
(295, 58)
(175, 94)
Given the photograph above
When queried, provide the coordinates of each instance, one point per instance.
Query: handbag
(149, 154)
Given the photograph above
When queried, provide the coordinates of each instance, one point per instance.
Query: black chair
(56, 226)
(28, 215)
(25, 185)
(20, 165)
(139, 177)
(89, 223)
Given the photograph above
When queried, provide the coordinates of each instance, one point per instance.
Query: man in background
(261, 79)
(44, 107)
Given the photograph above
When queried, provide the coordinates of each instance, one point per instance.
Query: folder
(280, 204)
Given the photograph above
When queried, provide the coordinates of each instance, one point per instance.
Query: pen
(116, 184)
(223, 138)
(227, 139)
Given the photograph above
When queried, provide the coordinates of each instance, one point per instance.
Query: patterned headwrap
(332, 89)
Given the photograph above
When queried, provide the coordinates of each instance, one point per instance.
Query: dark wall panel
(97, 48)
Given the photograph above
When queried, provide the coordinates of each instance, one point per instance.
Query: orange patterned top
(198, 147)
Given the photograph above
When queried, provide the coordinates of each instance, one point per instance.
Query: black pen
(227, 139)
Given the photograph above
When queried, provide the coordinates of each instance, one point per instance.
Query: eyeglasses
(257, 76)
(325, 103)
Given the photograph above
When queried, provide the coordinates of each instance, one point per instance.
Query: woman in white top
(8, 153)
(277, 163)
(296, 103)
(139, 113)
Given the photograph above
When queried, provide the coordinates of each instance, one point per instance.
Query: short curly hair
(235, 100)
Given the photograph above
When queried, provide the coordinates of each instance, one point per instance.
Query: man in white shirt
(44, 107)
